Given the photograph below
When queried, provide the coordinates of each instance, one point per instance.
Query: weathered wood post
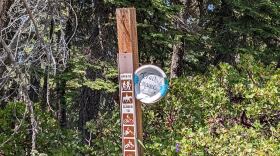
(128, 62)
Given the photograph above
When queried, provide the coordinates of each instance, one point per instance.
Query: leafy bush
(238, 140)
(232, 110)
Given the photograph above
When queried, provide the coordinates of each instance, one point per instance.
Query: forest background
(59, 80)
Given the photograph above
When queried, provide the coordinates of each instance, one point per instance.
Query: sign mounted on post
(128, 105)
(150, 84)
(128, 114)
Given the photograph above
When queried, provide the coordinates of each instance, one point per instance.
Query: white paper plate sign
(151, 84)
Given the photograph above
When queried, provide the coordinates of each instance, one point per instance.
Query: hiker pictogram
(126, 85)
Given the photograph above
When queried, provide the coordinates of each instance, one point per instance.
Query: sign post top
(127, 33)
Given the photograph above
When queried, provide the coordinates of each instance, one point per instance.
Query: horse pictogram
(127, 98)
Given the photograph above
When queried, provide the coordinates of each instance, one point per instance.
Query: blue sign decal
(136, 79)
(164, 88)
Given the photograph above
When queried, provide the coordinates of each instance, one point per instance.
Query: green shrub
(229, 111)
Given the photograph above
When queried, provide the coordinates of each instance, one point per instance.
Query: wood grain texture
(128, 43)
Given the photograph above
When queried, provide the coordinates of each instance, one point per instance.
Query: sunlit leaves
(99, 84)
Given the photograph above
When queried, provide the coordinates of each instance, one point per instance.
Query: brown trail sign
(131, 113)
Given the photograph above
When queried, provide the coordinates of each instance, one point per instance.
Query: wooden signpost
(131, 113)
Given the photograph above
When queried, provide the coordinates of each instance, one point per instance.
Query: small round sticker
(151, 84)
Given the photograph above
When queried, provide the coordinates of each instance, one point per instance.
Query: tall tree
(186, 22)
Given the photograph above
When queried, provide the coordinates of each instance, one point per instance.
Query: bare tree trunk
(34, 89)
(45, 90)
(89, 103)
(61, 103)
(178, 51)
(201, 8)
(177, 60)
(61, 84)
(3, 8)
(1, 13)
(24, 96)
(31, 137)
(32, 118)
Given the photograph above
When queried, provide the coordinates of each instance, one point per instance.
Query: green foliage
(225, 103)
(236, 141)
(201, 115)
(99, 84)
(229, 111)
(248, 25)
(77, 77)
(11, 127)
(15, 132)
(105, 137)
(52, 139)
